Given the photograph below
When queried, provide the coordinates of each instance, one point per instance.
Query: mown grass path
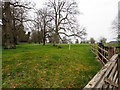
(46, 66)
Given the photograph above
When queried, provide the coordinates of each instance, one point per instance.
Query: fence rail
(108, 76)
(102, 54)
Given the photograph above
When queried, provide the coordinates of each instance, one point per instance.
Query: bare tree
(43, 21)
(35, 36)
(65, 40)
(77, 41)
(64, 15)
(103, 40)
(92, 40)
(116, 27)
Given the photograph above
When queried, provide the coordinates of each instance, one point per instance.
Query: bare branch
(16, 5)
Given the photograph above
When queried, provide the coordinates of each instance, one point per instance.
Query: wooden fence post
(106, 48)
(110, 52)
(102, 46)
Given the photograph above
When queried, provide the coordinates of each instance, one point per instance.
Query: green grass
(111, 44)
(36, 66)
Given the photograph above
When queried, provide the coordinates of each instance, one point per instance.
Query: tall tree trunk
(44, 38)
(9, 37)
(56, 38)
(44, 32)
(14, 29)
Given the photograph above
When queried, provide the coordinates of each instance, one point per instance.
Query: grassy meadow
(37, 66)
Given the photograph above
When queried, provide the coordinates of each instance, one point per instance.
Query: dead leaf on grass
(19, 64)
(69, 86)
(8, 74)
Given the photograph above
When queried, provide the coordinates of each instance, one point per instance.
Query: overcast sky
(97, 17)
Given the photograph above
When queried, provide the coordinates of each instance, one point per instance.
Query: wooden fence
(103, 53)
(108, 76)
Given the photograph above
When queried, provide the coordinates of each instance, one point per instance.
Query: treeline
(92, 40)
(55, 22)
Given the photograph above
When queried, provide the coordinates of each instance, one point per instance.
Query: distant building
(113, 42)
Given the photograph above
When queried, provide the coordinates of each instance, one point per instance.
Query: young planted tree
(64, 15)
